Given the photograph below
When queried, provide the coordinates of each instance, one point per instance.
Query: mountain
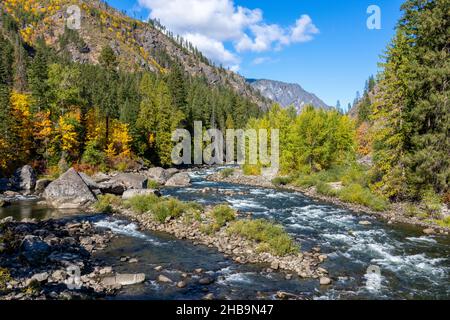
(287, 94)
(138, 45)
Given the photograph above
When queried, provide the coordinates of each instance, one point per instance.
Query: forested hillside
(106, 94)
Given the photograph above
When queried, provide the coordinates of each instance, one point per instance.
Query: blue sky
(323, 45)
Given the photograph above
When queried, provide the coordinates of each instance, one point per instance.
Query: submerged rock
(69, 192)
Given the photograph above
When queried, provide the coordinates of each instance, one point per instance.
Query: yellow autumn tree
(67, 139)
(22, 128)
(42, 131)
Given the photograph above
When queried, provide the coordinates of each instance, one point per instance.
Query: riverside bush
(142, 204)
(152, 184)
(106, 203)
(356, 193)
(251, 170)
(225, 173)
(223, 214)
(271, 237)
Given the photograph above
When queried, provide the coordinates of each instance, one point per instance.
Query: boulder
(171, 172)
(41, 184)
(124, 181)
(429, 231)
(179, 180)
(69, 192)
(124, 280)
(139, 192)
(158, 174)
(89, 181)
(112, 187)
(24, 178)
(100, 177)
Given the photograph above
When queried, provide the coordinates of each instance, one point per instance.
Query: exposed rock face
(139, 192)
(159, 175)
(69, 192)
(179, 180)
(24, 178)
(287, 94)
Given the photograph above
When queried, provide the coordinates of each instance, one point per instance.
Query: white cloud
(210, 23)
(304, 30)
(213, 49)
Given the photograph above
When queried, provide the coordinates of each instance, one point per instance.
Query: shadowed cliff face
(287, 94)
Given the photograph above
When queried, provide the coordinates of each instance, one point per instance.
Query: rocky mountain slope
(287, 94)
(138, 45)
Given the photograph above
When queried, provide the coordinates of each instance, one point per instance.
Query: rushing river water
(410, 265)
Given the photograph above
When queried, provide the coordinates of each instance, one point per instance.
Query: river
(408, 264)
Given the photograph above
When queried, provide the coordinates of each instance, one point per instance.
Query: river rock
(206, 281)
(182, 284)
(24, 178)
(41, 184)
(34, 250)
(69, 192)
(429, 231)
(164, 279)
(209, 297)
(40, 277)
(324, 281)
(124, 280)
(159, 175)
(139, 192)
(179, 180)
(365, 223)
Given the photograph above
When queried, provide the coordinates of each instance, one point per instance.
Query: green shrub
(413, 210)
(251, 170)
(282, 181)
(93, 154)
(325, 189)
(225, 173)
(152, 184)
(106, 203)
(223, 214)
(271, 237)
(142, 204)
(356, 193)
(445, 223)
(306, 181)
(432, 203)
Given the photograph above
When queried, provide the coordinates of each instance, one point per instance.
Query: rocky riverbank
(395, 215)
(52, 260)
(240, 249)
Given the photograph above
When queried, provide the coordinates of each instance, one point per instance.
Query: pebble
(164, 279)
(158, 268)
(324, 281)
